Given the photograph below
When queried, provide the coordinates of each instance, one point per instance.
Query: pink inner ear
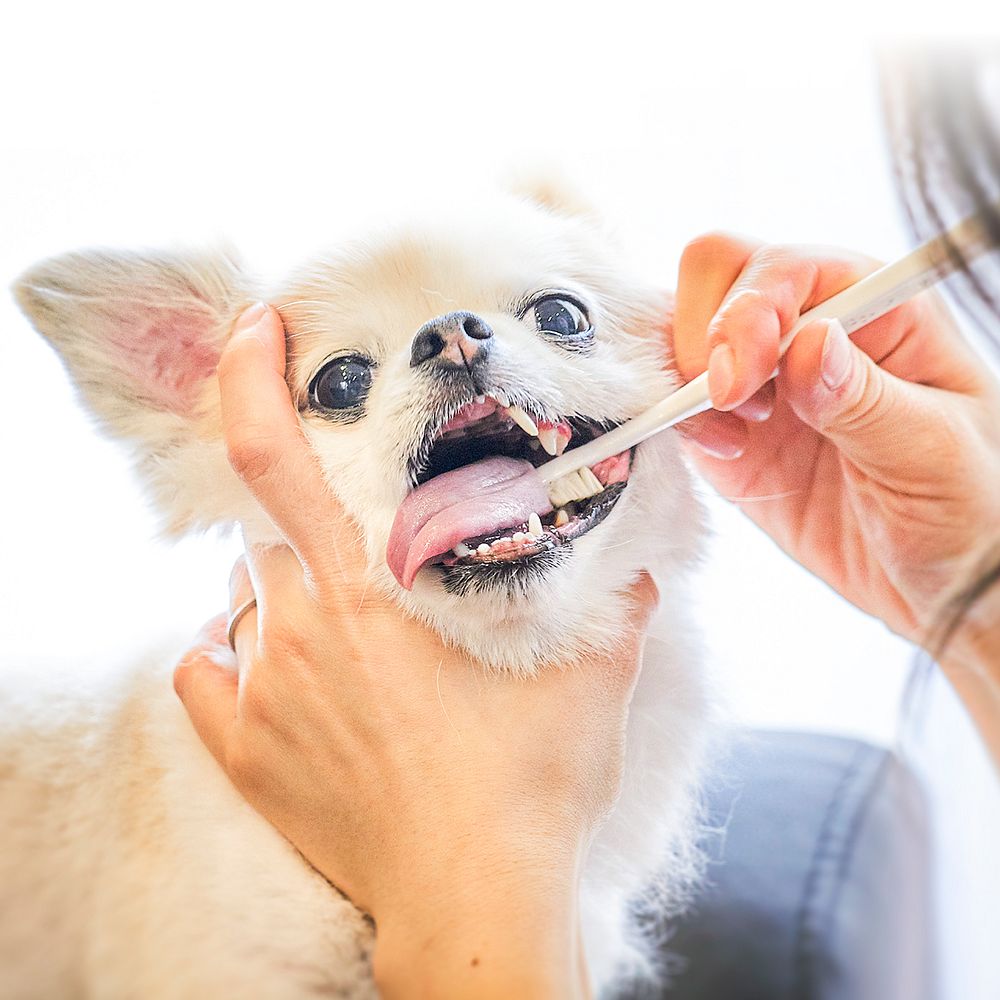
(167, 354)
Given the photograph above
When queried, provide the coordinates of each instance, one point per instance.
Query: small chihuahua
(423, 363)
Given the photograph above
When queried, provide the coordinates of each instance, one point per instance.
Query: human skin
(874, 463)
(472, 795)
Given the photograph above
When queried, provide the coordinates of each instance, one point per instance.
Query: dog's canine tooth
(561, 443)
(462, 550)
(535, 525)
(547, 435)
(522, 420)
(483, 549)
(562, 517)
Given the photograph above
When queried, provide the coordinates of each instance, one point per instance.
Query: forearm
(504, 939)
(972, 664)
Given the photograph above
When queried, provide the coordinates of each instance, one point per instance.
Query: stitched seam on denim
(804, 951)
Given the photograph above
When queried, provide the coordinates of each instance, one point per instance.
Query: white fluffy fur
(129, 866)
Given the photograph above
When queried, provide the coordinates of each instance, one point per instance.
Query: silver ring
(235, 618)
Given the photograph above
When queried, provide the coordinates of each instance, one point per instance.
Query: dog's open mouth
(477, 502)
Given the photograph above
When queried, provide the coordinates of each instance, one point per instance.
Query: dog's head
(432, 367)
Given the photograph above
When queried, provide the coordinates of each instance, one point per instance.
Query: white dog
(129, 867)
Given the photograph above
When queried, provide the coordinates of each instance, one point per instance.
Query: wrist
(502, 931)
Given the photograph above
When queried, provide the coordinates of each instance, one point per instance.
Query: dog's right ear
(141, 335)
(136, 331)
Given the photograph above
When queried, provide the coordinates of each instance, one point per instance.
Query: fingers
(265, 443)
(736, 299)
(777, 285)
(244, 632)
(617, 670)
(719, 435)
(743, 342)
(645, 597)
(839, 391)
(709, 266)
(206, 682)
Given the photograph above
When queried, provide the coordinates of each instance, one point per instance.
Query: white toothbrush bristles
(580, 484)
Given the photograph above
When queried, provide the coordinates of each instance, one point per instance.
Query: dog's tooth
(561, 443)
(502, 399)
(506, 538)
(483, 549)
(535, 525)
(519, 536)
(462, 550)
(480, 399)
(562, 517)
(591, 482)
(547, 436)
(522, 420)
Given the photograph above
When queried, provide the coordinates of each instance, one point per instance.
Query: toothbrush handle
(685, 402)
(855, 307)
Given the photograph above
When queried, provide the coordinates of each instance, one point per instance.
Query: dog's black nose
(457, 340)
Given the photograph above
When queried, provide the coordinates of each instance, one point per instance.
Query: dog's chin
(510, 580)
(517, 569)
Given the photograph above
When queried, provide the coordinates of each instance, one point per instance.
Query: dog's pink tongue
(477, 499)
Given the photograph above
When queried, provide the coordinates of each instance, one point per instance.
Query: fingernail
(721, 373)
(249, 318)
(835, 364)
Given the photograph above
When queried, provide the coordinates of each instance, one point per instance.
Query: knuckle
(257, 707)
(251, 454)
(778, 261)
(714, 248)
(861, 405)
(182, 674)
(745, 299)
(243, 764)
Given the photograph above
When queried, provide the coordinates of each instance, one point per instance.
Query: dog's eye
(342, 384)
(559, 317)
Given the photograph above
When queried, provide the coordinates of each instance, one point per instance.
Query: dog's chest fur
(131, 867)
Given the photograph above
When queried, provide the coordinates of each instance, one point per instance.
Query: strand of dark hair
(946, 156)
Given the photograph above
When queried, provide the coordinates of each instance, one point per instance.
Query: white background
(277, 131)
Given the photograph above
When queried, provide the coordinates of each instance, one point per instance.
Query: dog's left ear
(141, 335)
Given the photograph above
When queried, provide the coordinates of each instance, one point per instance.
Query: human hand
(873, 463)
(427, 789)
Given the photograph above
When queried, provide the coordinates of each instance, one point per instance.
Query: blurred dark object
(819, 880)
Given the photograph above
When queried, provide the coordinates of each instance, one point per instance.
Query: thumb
(839, 391)
(625, 658)
(645, 597)
(206, 681)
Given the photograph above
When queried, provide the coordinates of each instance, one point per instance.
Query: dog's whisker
(302, 302)
(437, 684)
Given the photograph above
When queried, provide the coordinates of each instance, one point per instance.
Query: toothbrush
(569, 477)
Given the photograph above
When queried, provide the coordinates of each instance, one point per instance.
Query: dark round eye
(342, 384)
(559, 317)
